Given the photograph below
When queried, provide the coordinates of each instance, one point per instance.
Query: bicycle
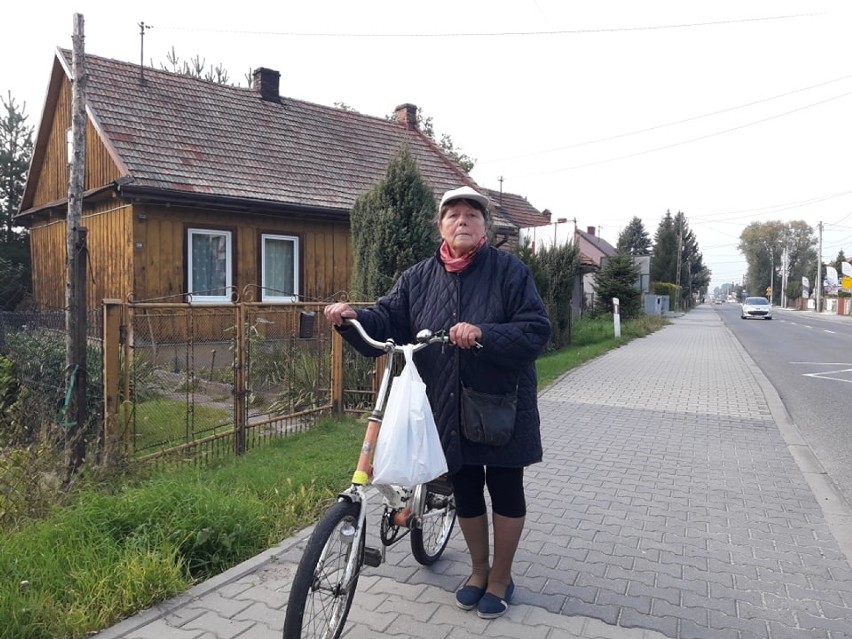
(327, 576)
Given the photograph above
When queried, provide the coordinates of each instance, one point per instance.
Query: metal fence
(34, 427)
(199, 381)
(35, 342)
(190, 381)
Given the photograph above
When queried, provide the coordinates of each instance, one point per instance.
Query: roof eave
(170, 197)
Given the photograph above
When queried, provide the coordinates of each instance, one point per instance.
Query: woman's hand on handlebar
(465, 335)
(339, 311)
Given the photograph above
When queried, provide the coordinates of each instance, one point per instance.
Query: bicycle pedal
(372, 557)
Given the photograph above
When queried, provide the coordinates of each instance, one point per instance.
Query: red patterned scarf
(458, 264)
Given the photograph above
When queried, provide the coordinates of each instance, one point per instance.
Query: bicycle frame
(364, 470)
(328, 573)
(400, 498)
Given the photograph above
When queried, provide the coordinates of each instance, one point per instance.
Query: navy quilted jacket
(496, 293)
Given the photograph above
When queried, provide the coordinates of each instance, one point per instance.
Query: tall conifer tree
(634, 239)
(16, 149)
(393, 227)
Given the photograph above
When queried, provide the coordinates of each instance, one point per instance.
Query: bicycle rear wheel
(430, 537)
(325, 581)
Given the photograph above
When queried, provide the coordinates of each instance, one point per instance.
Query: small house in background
(516, 210)
(196, 191)
(593, 251)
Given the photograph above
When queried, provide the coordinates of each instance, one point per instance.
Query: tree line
(676, 267)
(775, 247)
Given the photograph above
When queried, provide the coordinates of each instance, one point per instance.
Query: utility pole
(771, 273)
(556, 223)
(818, 283)
(75, 283)
(677, 266)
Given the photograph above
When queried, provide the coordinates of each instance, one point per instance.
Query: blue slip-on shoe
(491, 606)
(468, 596)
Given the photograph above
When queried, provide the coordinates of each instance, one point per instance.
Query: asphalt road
(808, 359)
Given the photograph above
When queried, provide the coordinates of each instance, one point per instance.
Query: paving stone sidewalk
(675, 500)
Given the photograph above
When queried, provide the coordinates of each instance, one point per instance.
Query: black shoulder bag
(488, 419)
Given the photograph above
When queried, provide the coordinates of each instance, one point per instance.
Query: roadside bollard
(616, 318)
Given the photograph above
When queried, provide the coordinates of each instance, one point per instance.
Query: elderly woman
(485, 296)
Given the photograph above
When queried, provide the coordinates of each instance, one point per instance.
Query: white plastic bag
(408, 449)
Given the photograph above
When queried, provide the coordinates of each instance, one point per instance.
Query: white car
(758, 307)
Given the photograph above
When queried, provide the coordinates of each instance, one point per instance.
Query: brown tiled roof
(180, 134)
(602, 245)
(517, 209)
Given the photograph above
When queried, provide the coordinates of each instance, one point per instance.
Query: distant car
(717, 300)
(758, 307)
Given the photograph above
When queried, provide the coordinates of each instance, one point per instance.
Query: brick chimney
(265, 82)
(406, 115)
(590, 230)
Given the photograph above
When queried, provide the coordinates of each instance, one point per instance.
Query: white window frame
(267, 294)
(198, 298)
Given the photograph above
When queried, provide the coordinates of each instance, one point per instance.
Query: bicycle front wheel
(325, 581)
(430, 536)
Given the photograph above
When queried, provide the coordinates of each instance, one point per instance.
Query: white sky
(731, 111)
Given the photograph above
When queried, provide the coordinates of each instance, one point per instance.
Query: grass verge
(121, 548)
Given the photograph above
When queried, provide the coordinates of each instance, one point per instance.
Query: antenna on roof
(142, 27)
(500, 180)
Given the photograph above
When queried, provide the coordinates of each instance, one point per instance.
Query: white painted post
(616, 318)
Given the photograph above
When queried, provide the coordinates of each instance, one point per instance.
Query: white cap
(465, 193)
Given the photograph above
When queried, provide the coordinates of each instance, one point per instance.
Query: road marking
(828, 374)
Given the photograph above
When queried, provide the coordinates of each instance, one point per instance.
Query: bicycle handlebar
(424, 338)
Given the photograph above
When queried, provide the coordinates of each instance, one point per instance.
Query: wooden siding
(159, 252)
(53, 177)
(110, 244)
(109, 265)
(47, 243)
(139, 252)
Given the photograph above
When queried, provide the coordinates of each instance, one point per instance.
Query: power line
(771, 209)
(840, 220)
(667, 124)
(688, 141)
(495, 34)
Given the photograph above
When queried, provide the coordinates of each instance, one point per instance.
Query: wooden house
(196, 191)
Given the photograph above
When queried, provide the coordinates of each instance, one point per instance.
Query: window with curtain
(280, 268)
(209, 269)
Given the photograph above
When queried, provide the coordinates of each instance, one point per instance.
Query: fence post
(240, 390)
(336, 372)
(111, 364)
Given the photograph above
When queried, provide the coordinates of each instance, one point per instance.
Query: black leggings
(505, 486)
